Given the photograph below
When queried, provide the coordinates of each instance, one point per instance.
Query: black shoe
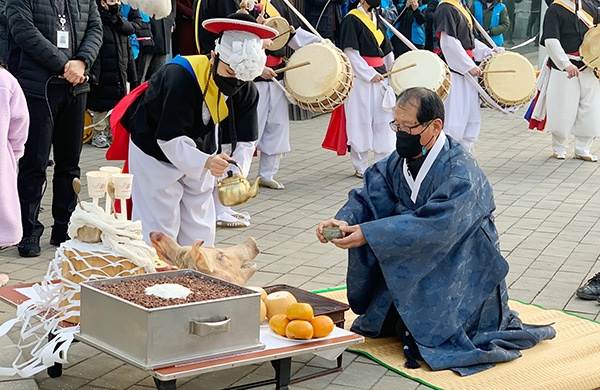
(29, 246)
(591, 290)
(58, 236)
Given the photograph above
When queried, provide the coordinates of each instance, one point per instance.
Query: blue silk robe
(437, 260)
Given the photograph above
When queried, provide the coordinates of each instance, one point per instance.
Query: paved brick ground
(547, 215)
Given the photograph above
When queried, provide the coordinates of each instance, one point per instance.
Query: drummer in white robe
(460, 50)
(573, 95)
(368, 108)
(273, 112)
(175, 127)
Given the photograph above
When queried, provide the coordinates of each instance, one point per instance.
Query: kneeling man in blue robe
(424, 261)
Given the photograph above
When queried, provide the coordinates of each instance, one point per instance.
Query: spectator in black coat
(112, 69)
(325, 16)
(152, 58)
(431, 41)
(51, 67)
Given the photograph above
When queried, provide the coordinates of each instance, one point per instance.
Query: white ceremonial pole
(397, 33)
(303, 19)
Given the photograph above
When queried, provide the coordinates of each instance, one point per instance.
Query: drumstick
(500, 71)
(391, 72)
(290, 67)
(282, 34)
(583, 67)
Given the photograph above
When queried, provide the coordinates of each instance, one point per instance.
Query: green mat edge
(402, 373)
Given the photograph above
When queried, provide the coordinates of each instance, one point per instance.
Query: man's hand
(268, 73)
(572, 70)
(74, 71)
(475, 72)
(377, 78)
(329, 223)
(217, 164)
(353, 237)
(414, 4)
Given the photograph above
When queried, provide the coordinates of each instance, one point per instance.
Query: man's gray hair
(428, 103)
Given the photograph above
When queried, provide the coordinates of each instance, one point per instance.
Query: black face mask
(228, 86)
(409, 146)
(114, 9)
(373, 4)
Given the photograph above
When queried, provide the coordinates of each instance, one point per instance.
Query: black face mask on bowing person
(409, 145)
(228, 86)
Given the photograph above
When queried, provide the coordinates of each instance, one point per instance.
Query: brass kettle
(235, 189)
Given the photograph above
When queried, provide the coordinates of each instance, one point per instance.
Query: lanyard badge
(62, 36)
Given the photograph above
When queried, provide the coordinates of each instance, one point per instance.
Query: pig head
(232, 264)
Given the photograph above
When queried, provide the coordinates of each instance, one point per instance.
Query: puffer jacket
(33, 56)
(114, 64)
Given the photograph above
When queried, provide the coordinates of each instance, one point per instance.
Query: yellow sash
(217, 107)
(369, 23)
(462, 10)
(582, 15)
(269, 8)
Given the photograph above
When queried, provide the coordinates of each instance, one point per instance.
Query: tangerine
(278, 323)
(299, 330)
(299, 311)
(322, 325)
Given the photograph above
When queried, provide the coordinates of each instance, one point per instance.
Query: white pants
(273, 128)
(165, 200)
(573, 108)
(463, 114)
(367, 123)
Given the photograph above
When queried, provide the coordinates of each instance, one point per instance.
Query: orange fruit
(322, 325)
(299, 311)
(299, 330)
(278, 323)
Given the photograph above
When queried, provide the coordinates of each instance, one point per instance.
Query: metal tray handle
(210, 326)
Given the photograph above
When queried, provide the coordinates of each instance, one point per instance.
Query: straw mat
(571, 361)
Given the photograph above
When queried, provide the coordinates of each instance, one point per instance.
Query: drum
(431, 72)
(508, 89)
(323, 85)
(590, 48)
(283, 32)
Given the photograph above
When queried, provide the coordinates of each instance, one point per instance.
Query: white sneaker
(100, 141)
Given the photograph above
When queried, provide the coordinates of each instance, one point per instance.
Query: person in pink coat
(13, 134)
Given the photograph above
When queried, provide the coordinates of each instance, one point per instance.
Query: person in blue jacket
(493, 16)
(411, 23)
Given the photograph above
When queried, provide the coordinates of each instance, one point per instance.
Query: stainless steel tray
(170, 335)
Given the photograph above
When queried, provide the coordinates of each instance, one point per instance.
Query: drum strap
(369, 23)
(581, 14)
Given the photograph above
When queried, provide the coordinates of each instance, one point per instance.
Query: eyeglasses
(408, 129)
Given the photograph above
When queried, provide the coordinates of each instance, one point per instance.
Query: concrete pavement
(547, 214)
